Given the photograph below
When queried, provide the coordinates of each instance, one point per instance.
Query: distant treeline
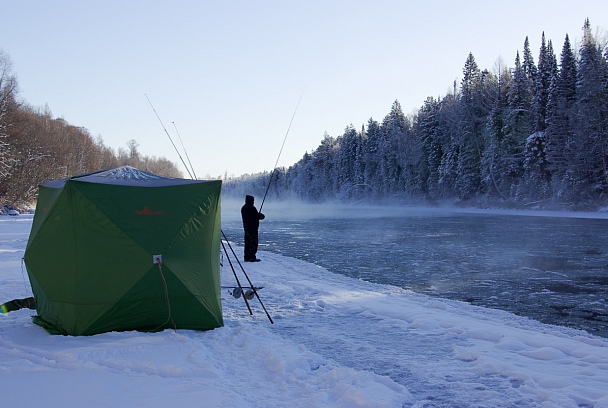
(35, 148)
(534, 133)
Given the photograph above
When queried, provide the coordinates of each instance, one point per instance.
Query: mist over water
(551, 267)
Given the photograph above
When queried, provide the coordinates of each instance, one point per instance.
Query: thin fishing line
(165, 129)
(281, 151)
(185, 151)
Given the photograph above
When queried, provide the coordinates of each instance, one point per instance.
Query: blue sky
(229, 74)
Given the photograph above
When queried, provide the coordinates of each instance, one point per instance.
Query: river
(548, 266)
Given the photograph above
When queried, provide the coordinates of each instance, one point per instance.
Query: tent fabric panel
(44, 206)
(142, 212)
(109, 260)
(196, 253)
(140, 308)
(49, 254)
(75, 260)
(145, 307)
(153, 232)
(69, 318)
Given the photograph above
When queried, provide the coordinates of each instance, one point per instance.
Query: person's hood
(249, 199)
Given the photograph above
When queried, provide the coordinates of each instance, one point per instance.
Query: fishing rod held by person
(281, 151)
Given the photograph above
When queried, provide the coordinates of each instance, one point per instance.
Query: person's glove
(262, 216)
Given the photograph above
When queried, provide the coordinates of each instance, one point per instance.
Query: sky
(225, 77)
(334, 342)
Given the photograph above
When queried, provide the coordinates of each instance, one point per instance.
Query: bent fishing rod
(281, 151)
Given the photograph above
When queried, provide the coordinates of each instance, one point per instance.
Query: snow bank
(335, 342)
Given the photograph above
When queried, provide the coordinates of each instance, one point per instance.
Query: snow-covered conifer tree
(543, 82)
(394, 130)
(470, 142)
(345, 170)
(589, 147)
(560, 115)
(371, 157)
(426, 129)
(492, 159)
(517, 127)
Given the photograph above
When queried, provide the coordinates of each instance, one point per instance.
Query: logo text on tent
(145, 211)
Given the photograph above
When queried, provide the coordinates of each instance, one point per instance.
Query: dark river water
(551, 267)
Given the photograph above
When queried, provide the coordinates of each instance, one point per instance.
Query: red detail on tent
(148, 212)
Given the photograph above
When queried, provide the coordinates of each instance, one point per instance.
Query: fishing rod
(185, 151)
(281, 151)
(255, 292)
(161, 123)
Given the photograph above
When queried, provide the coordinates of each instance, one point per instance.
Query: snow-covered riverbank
(335, 342)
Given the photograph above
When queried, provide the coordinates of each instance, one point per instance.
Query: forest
(531, 136)
(36, 148)
(534, 136)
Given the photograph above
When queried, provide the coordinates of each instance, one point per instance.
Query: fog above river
(288, 210)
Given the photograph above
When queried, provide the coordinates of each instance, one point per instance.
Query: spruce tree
(394, 131)
(589, 145)
(518, 126)
(543, 82)
(449, 134)
(322, 163)
(529, 68)
(346, 171)
(491, 166)
(427, 131)
(372, 158)
(560, 116)
(470, 144)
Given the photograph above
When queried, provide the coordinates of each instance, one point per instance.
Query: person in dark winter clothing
(251, 222)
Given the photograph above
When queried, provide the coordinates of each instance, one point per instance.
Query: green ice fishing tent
(123, 249)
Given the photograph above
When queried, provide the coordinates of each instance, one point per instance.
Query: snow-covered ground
(335, 342)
